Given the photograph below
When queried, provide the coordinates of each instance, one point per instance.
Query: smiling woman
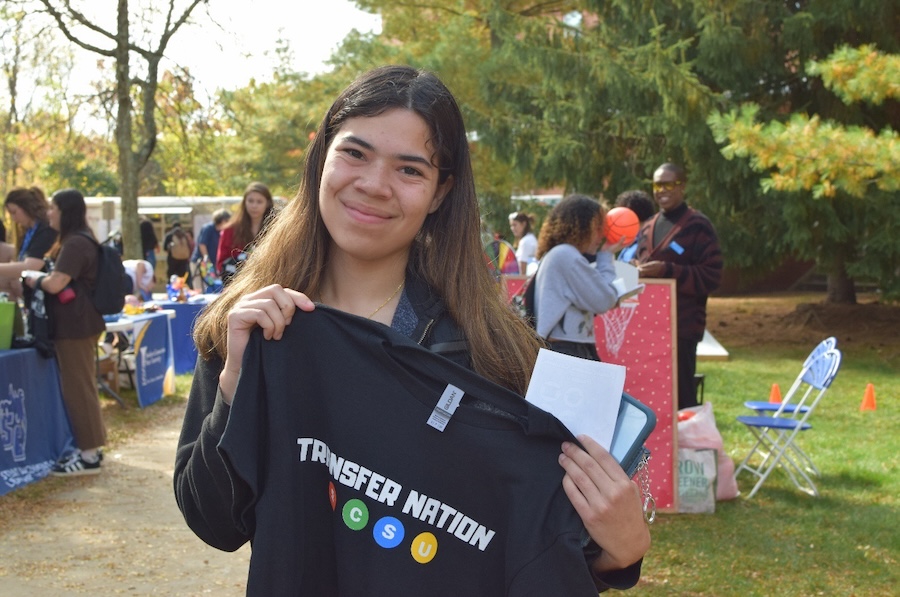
(385, 227)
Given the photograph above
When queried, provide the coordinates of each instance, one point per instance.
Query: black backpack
(112, 283)
(523, 301)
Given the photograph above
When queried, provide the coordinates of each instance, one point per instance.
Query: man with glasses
(680, 243)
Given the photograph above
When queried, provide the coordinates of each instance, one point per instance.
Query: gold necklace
(389, 299)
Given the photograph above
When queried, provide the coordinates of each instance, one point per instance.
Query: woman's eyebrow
(404, 157)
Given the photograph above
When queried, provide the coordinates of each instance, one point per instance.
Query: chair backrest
(826, 344)
(818, 376)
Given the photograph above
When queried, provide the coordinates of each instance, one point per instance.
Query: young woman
(243, 229)
(385, 226)
(28, 210)
(525, 242)
(77, 327)
(569, 290)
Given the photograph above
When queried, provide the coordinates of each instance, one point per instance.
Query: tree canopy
(784, 114)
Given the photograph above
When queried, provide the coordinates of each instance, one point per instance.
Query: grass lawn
(783, 541)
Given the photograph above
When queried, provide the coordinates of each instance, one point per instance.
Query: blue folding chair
(776, 435)
(787, 404)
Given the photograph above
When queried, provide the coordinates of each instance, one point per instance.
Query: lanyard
(27, 241)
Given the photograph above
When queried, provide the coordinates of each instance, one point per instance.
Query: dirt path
(117, 533)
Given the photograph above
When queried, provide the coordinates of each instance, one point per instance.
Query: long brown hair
(72, 217)
(446, 253)
(242, 223)
(33, 202)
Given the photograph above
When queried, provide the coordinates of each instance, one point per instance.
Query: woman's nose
(375, 180)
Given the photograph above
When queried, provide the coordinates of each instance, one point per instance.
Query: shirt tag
(676, 247)
(445, 407)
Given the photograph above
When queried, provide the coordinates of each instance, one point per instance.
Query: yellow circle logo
(424, 548)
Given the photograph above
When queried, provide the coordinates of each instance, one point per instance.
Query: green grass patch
(783, 541)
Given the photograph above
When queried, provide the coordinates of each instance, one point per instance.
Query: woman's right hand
(270, 308)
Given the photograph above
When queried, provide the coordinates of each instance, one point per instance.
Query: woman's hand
(614, 247)
(607, 501)
(271, 308)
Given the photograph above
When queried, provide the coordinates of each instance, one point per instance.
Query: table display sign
(34, 427)
(153, 358)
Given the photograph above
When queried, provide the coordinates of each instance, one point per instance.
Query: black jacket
(200, 469)
(205, 486)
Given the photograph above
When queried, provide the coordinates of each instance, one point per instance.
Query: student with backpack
(569, 289)
(76, 326)
(178, 247)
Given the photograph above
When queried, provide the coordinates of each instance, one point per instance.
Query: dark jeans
(576, 349)
(687, 366)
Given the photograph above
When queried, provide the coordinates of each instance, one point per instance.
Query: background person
(7, 251)
(178, 247)
(142, 279)
(643, 206)
(237, 235)
(208, 238)
(680, 243)
(569, 289)
(28, 210)
(385, 226)
(77, 328)
(149, 242)
(525, 242)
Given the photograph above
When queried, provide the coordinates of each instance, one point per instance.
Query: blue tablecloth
(34, 427)
(182, 326)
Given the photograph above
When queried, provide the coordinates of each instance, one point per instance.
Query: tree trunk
(841, 287)
(128, 175)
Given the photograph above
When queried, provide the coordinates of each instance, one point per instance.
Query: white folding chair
(776, 435)
(787, 404)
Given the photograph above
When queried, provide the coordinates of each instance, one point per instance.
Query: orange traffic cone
(775, 394)
(868, 402)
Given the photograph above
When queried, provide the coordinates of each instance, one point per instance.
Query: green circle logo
(356, 515)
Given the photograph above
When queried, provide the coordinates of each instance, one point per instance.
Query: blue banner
(154, 366)
(34, 427)
(182, 332)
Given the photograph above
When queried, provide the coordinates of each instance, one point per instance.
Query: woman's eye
(410, 171)
(353, 152)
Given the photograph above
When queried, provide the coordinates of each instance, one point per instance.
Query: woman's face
(379, 184)
(517, 227)
(19, 216)
(256, 205)
(53, 216)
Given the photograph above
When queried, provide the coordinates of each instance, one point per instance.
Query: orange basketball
(621, 222)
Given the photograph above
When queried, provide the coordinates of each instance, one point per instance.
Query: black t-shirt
(347, 490)
(40, 242)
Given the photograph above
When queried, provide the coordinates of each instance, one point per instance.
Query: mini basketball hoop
(615, 322)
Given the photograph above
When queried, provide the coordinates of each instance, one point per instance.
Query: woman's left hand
(607, 501)
(614, 247)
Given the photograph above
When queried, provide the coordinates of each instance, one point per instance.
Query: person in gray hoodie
(569, 290)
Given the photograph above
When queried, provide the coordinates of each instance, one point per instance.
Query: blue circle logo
(388, 532)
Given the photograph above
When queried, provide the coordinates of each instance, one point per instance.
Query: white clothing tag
(445, 407)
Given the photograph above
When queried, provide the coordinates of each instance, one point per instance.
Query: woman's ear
(440, 194)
